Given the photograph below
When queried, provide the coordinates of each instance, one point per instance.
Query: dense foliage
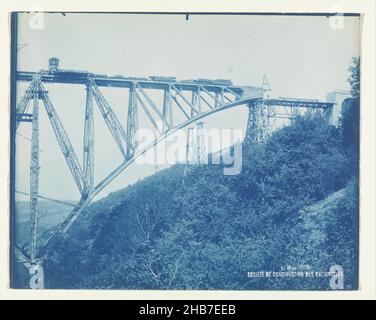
(209, 231)
(350, 117)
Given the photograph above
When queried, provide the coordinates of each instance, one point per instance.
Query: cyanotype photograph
(185, 151)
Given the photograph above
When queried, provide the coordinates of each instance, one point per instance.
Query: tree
(350, 117)
(354, 78)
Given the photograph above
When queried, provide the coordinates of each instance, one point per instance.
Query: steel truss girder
(222, 95)
(64, 143)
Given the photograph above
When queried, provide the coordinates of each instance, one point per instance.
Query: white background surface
(367, 217)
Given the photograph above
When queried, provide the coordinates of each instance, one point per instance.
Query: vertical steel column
(216, 100)
(222, 94)
(63, 141)
(22, 107)
(196, 100)
(294, 112)
(132, 122)
(34, 177)
(88, 165)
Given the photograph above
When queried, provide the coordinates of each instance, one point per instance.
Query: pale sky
(302, 57)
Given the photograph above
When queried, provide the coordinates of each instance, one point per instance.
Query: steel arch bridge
(194, 99)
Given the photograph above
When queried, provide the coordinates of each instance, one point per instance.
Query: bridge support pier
(337, 97)
(34, 177)
(258, 126)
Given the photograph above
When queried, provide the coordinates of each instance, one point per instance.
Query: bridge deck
(299, 103)
(73, 77)
(78, 77)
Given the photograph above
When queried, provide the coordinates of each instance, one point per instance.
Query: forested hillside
(294, 206)
(209, 231)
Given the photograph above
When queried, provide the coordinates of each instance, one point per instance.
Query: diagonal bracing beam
(154, 107)
(185, 99)
(112, 122)
(70, 219)
(21, 256)
(180, 106)
(206, 101)
(147, 112)
(48, 198)
(217, 102)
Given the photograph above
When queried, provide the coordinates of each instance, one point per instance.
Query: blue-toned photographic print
(185, 151)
